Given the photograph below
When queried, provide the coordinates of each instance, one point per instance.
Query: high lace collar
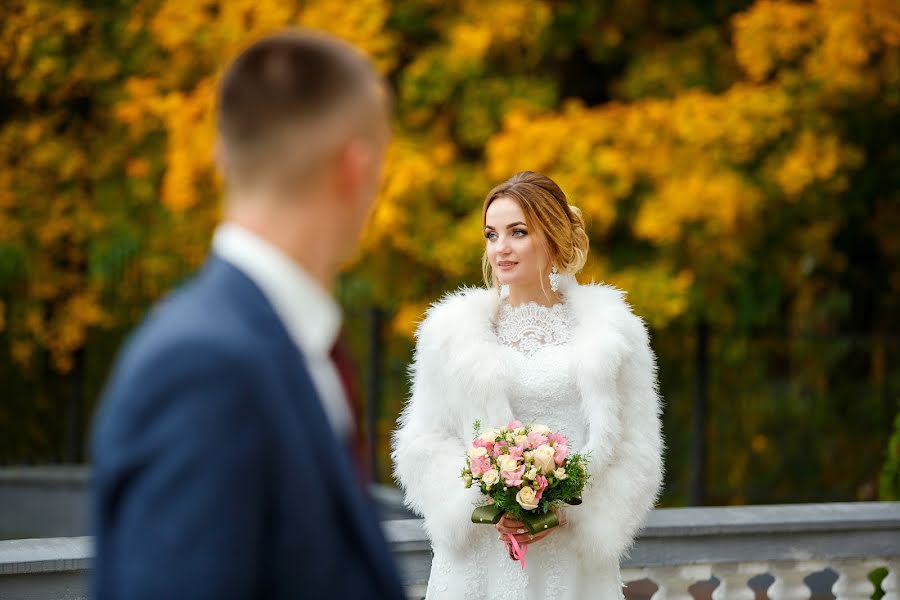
(530, 327)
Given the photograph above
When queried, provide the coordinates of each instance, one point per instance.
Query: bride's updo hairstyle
(547, 209)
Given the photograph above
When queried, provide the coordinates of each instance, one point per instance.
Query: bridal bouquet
(526, 472)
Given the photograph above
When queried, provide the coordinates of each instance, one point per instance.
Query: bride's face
(517, 255)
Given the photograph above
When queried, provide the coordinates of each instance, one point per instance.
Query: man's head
(303, 118)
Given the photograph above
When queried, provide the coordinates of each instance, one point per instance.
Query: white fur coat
(455, 380)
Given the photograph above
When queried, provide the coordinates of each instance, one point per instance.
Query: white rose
(543, 458)
(507, 462)
(528, 456)
(477, 452)
(490, 478)
(526, 498)
(467, 480)
(532, 473)
(542, 429)
(490, 436)
(521, 440)
(560, 473)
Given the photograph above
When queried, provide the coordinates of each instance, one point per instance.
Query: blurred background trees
(737, 162)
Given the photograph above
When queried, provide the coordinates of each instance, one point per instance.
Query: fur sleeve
(624, 488)
(428, 448)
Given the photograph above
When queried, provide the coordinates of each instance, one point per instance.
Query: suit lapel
(334, 464)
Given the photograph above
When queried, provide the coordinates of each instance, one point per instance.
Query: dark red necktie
(343, 362)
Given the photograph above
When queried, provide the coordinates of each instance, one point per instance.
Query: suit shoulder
(181, 333)
(170, 354)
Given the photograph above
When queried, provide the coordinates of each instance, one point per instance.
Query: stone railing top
(684, 536)
(46, 475)
(784, 518)
(44, 555)
(672, 536)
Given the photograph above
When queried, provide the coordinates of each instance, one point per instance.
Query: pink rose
(559, 457)
(480, 443)
(513, 478)
(516, 451)
(540, 484)
(536, 438)
(498, 448)
(479, 466)
(558, 438)
(513, 425)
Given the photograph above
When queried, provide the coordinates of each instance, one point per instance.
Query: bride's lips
(506, 265)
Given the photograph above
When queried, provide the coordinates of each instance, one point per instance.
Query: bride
(536, 347)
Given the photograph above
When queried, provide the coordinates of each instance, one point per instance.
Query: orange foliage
(692, 176)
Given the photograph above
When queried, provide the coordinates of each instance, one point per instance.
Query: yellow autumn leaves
(681, 178)
(832, 41)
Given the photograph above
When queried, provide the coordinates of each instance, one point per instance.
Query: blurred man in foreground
(223, 448)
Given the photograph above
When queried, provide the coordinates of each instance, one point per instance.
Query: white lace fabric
(530, 327)
(539, 367)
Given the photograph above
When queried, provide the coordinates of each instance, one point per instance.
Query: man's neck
(301, 237)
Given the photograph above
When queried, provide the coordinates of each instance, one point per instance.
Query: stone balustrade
(783, 552)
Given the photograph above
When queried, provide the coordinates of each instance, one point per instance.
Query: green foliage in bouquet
(559, 492)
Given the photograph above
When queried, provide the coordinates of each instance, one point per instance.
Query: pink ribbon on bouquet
(518, 551)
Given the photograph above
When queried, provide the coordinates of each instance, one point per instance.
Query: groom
(222, 449)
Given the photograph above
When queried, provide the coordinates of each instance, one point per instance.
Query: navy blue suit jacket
(216, 472)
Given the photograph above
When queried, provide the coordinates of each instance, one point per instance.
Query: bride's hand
(509, 526)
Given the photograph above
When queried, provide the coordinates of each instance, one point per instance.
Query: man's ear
(353, 167)
(220, 158)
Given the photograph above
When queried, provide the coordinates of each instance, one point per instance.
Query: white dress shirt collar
(310, 315)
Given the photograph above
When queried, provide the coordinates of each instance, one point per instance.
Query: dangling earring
(554, 279)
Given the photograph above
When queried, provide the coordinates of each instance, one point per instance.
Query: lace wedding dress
(540, 385)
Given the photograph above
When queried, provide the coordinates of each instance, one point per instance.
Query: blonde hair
(547, 209)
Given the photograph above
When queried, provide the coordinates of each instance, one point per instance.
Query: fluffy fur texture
(455, 380)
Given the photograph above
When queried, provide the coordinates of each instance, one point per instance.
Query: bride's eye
(490, 235)
(519, 233)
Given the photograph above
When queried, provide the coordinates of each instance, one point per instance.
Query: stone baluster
(789, 584)
(673, 582)
(631, 575)
(733, 580)
(891, 584)
(853, 580)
